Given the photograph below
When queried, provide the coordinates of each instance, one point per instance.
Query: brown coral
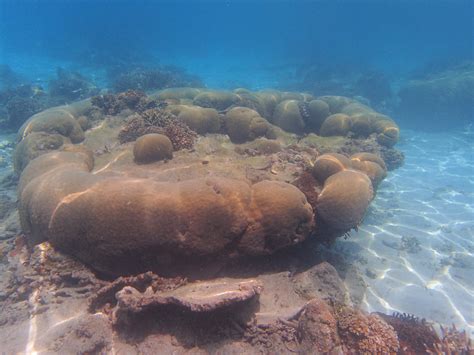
(134, 100)
(362, 334)
(317, 328)
(158, 121)
(152, 147)
(344, 199)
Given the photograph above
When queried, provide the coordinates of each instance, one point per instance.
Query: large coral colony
(181, 180)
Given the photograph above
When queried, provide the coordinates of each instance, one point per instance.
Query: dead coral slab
(105, 297)
(204, 296)
(207, 296)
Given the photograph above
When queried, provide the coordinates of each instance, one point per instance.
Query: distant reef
(442, 99)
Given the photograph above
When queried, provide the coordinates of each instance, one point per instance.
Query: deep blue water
(392, 35)
(254, 44)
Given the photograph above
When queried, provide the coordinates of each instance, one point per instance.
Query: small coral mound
(152, 147)
(158, 121)
(329, 164)
(318, 111)
(244, 124)
(370, 164)
(288, 116)
(387, 131)
(199, 119)
(336, 125)
(220, 100)
(344, 199)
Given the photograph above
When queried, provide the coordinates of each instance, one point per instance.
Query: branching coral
(131, 99)
(159, 121)
(417, 336)
(363, 334)
(454, 341)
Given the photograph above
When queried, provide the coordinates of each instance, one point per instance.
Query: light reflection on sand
(417, 242)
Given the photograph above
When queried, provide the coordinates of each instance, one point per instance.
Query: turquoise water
(411, 60)
(416, 244)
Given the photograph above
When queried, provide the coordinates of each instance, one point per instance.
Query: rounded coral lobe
(152, 147)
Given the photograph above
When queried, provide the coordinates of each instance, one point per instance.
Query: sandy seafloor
(416, 245)
(415, 249)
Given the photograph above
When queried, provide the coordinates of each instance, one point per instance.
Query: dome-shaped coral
(220, 100)
(177, 93)
(372, 165)
(318, 112)
(152, 147)
(362, 124)
(329, 164)
(344, 199)
(268, 99)
(336, 103)
(355, 108)
(288, 117)
(244, 124)
(338, 124)
(387, 130)
(199, 119)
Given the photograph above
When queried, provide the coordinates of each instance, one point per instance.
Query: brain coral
(214, 202)
(344, 199)
(220, 100)
(329, 164)
(200, 120)
(370, 164)
(244, 124)
(338, 124)
(152, 147)
(124, 223)
(287, 116)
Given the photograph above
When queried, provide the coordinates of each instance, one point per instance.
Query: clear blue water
(274, 44)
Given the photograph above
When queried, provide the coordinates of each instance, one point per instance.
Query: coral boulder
(344, 199)
(152, 147)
